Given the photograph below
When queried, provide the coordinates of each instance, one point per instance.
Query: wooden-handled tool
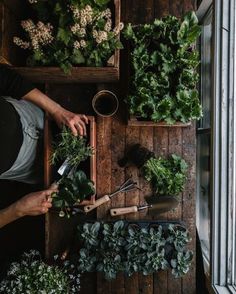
(126, 210)
(127, 186)
(156, 205)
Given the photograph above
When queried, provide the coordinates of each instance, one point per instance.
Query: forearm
(43, 101)
(8, 215)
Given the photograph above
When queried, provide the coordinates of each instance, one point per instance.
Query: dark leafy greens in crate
(164, 62)
(118, 246)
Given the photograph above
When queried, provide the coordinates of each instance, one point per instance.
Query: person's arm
(76, 122)
(14, 85)
(32, 204)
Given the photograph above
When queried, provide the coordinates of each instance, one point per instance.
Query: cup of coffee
(105, 103)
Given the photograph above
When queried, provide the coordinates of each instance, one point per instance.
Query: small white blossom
(83, 44)
(22, 44)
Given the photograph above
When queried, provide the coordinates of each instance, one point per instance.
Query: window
(216, 134)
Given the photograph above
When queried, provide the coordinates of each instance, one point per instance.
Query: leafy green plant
(164, 62)
(73, 149)
(110, 264)
(114, 235)
(118, 246)
(179, 237)
(90, 234)
(70, 32)
(166, 175)
(181, 264)
(72, 191)
(32, 275)
(155, 261)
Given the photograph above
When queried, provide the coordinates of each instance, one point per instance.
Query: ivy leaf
(101, 2)
(77, 57)
(64, 36)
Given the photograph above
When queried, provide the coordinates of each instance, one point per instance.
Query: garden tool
(127, 186)
(155, 205)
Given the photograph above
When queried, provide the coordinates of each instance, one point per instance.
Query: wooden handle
(97, 203)
(123, 210)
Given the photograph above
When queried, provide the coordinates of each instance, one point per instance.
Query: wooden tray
(9, 53)
(48, 169)
(59, 232)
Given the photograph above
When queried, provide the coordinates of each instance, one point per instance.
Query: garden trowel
(155, 205)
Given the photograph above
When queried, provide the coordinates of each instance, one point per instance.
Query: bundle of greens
(167, 176)
(70, 147)
(71, 32)
(164, 62)
(74, 187)
(72, 191)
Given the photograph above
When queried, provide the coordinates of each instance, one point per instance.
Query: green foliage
(164, 64)
(167, 176)
(75, 34)
(181, 264)
(70, 147)
(114, 247)
(72, 190)
(32, 275)
(180, 238)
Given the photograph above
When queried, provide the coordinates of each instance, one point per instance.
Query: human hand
(35, 203)
(76, 122)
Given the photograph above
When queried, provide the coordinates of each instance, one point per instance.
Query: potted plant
(32, 275)
(121, 247)
(73, 187)
(167, 175)
(79, 37)
(164, 61)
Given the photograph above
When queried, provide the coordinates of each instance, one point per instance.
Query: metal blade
(161, 204)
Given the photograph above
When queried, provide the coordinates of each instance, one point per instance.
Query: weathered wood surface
(78, 74)
(163, 141)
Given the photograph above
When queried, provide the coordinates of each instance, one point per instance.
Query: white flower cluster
(31, 275)
(85, 15)
(22, 44)
(78, 30)
(80, 44)
(33, 1)
(40, 34)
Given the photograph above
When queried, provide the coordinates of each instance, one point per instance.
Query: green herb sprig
(70, 147)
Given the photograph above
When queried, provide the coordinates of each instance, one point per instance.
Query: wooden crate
(59, 232)
(9, 53)
(48, 177)
(135, 122)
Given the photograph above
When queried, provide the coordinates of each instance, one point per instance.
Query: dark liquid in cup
(106, 104)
